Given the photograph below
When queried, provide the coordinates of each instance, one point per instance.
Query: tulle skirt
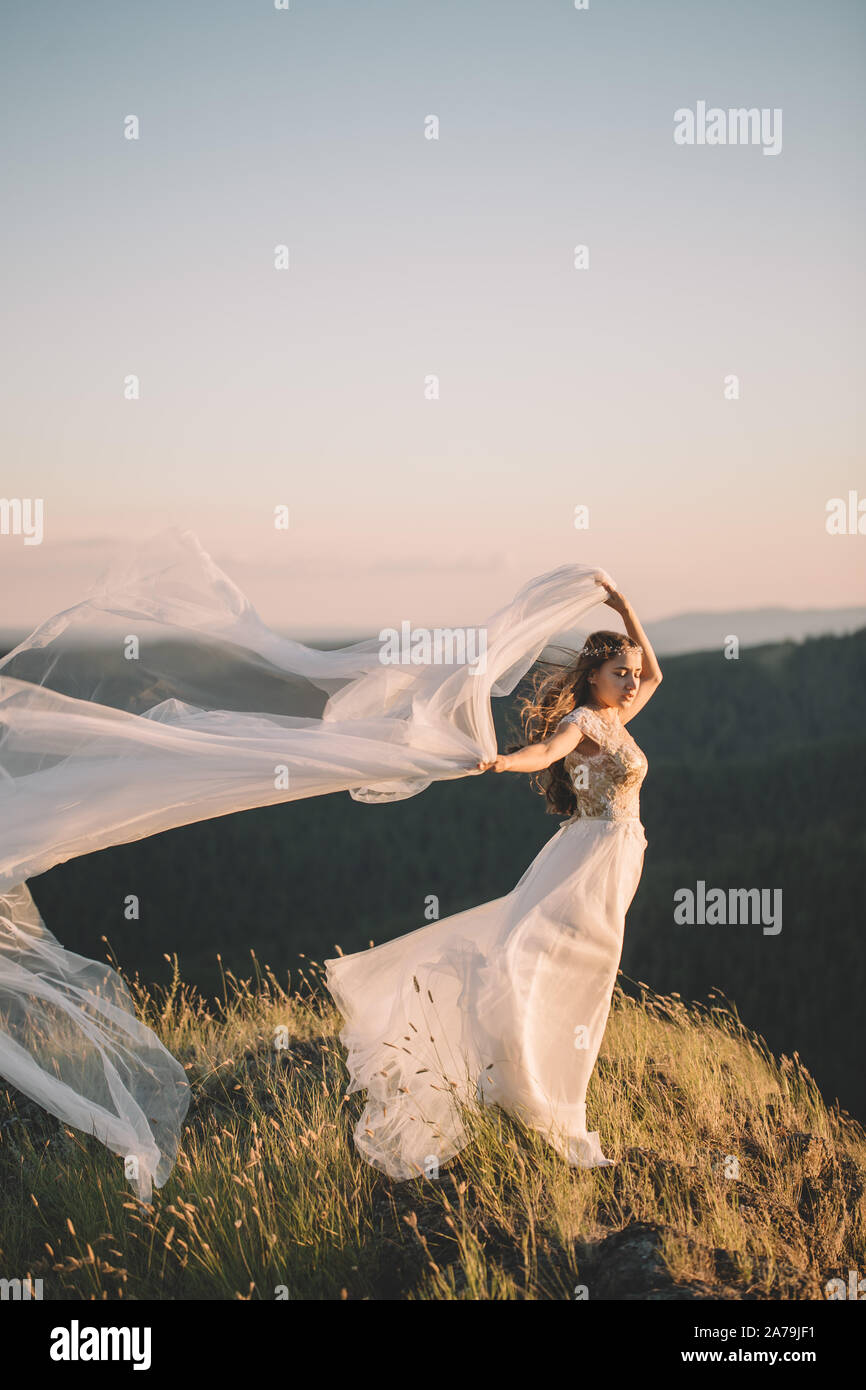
(504, 1004)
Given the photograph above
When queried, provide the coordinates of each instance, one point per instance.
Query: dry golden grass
(733, 1178)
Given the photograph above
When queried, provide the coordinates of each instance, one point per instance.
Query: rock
(629, 1265)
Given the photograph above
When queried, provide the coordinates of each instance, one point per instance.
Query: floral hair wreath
(608, 649)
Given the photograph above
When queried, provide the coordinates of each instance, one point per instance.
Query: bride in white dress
(162, 699)
(507, 1003)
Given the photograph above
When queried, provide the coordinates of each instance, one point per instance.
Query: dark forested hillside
(756, 775)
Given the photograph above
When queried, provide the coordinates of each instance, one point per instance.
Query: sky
(450, 259)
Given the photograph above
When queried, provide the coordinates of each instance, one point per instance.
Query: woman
(507, 1003)
(163, 699)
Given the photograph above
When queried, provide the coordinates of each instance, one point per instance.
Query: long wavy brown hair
(557, 689)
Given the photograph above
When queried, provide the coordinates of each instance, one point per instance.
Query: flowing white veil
(163, 699)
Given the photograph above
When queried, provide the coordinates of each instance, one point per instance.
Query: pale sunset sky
(452, 258)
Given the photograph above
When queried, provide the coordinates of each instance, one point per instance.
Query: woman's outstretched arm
(534, 757)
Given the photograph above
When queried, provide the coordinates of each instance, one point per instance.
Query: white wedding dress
(163, 699)
(506, 1003)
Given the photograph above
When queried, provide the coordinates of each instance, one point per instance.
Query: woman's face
(617, 681)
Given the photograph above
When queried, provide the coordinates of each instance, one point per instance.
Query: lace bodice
(609, 786)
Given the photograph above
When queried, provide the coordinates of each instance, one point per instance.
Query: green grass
(269, 1197)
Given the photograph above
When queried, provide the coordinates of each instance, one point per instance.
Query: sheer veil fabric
(163, 699)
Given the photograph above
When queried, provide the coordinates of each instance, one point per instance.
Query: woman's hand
(615, 599)
(500, 764)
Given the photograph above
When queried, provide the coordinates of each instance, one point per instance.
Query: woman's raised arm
(651, 672)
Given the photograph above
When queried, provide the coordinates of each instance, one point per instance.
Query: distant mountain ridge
(678, 635)
(707, 631)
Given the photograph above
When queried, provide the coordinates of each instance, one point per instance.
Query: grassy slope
(269, 1193)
